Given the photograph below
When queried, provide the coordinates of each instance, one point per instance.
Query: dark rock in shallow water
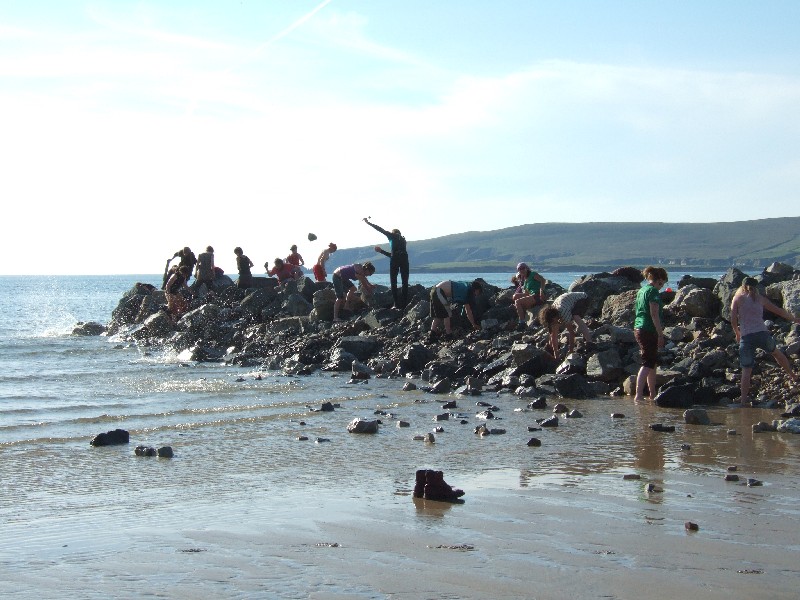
(683, 395)
(145, 451)
(89, 329)
(362, 426)
(111, 438)
(662, 428)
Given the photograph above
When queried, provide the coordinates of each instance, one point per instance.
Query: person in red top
(283, 271)
(296, 261)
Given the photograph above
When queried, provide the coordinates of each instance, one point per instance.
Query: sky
(131, 129)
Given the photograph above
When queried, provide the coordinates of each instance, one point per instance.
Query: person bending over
(344, 287)
(747, 320)
(447, 293)
(566, 311)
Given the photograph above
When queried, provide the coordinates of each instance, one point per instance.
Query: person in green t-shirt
(649, 329)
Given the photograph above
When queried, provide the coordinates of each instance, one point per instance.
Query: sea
(259, 476)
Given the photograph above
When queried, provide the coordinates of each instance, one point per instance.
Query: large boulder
(296, 305)
(725, 289)
(600, 286)
(361, 346)
(415, 358)
(606, 366)
(683, 394)
(323, 304)
(257, 300)
(786, 294)
(620, 309)
(573, 386)
(695, 302)
(157, 326)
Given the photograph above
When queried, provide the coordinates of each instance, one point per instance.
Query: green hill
(601, 246)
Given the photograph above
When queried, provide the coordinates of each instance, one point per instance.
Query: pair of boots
(432, 486)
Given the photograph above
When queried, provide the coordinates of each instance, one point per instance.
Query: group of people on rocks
(565, 312)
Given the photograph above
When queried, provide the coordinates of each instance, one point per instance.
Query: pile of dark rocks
(288, 328)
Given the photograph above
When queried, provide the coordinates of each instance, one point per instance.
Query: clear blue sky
(131, 129)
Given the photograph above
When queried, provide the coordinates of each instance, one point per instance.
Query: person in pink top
(747, 320)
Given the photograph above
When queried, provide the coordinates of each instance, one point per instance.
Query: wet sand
(246, 511)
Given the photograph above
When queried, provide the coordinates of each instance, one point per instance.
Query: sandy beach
(245, 510)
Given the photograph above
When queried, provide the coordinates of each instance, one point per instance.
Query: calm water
(235, 438)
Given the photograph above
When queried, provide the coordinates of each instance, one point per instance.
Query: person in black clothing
(243, 264)
(187, 260)
(398, 261)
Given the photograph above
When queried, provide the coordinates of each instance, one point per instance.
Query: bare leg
(781, 359)
(584, 329)
(337, 305)
(447, 327)
(745, 383)
(436, 325)
(641, 379)
(570, 338)
(651, 384)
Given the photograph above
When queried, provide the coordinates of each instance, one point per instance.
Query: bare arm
(775, 309)
(382, 251)
(554, 329)
(735, 319)
(542, 282)
(657, 323)
(471, 316)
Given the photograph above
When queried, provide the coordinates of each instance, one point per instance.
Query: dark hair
(293, 248)
(548, 315)
(237, 250)
(209, 249)
(368, 266)
(184, 270)
(476, 286)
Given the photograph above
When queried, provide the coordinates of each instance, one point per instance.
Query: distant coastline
(594, 247)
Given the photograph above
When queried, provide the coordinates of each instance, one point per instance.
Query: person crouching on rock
(344, 287)
(531, 294)
(447, 293)
(648, 327)
(567, 310)
(747, 320)
(283, 271)
(176, 286)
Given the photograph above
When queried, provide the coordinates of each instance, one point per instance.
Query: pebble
(731, 477)
(631, 476)
(617, 416)
(403, 424)
(732, 468)
(731, 432)
(302, 438)
(689, 526)
(754, 483)
(534, 442)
